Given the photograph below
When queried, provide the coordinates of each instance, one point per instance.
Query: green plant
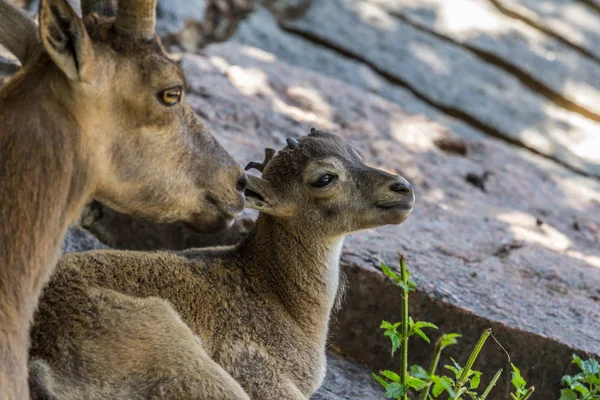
(431, 386)
(586, 384)
(521, 392)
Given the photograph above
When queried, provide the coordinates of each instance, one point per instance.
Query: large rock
(262, 31)
(122, 231)
(453, 79)
(571, 20)
(79, 239)
(172, 14)
(346, 380)
(550, 66)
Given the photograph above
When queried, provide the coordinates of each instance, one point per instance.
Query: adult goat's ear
(261, 196)
(65, 39)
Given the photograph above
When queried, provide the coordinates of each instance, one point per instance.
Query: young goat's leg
(128, 348)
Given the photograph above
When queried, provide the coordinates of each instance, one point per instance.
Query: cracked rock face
(459, 80)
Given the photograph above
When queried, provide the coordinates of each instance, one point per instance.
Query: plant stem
(491, 385)
(437, 352)
(404, 355)
(528, 393)
(593, 392)
(464, 377)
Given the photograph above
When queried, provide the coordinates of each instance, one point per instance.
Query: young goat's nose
(401, 187)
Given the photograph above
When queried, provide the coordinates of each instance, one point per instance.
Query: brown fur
(84, 121)
(260, 309)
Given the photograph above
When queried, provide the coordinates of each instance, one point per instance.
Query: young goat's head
(320, 182)
(150, 153)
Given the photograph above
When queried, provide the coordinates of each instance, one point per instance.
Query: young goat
(199, 324)
(96, 112)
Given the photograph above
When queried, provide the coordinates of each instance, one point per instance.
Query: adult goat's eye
(171, 96)
(323, 181)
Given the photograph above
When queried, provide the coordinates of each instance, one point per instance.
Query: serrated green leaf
(423, 324)
(517, 380)
(389, 327)
(395, 390)
(457, 371)
(590, 366)
(449, 339)
(421, 334)
(419, 372)
(568, 394)
(379, 379)
(387, 271)
(578, 387)
(577, 360)
(396, 338)
(475, 380)
(391, 375)
(456, 364)
(415, 383)
(567, 380)
(386, 325)
(592, 379)
(441, 384)
(473, 395)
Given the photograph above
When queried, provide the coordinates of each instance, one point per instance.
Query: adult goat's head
(150, 153)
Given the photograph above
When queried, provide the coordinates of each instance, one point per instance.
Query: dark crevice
(510, 13)
(445, 109)
(591, 4)
(525, 78)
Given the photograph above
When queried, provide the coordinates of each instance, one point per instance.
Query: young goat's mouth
(251, 193)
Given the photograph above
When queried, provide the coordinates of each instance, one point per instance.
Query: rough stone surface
(262, 31)
(172, 14)
(123, 231)
(479, 26)
(8, 63)
(346, 380)
(79, 239)
(571, 20)
(371, 298)
(454, 78)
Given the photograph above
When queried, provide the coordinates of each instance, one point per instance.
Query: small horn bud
(292, 143)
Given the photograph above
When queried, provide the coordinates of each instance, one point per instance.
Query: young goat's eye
(323, 181)
(171, 96)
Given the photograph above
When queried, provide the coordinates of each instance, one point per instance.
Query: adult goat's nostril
(401, 187)
(241, 183)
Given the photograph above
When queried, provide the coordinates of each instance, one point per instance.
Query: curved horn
(292, 143)
(105, 8)
(18, 33)
(137, 17)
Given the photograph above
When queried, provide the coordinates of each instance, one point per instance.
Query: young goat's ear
(261, 196)
(66, 40)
